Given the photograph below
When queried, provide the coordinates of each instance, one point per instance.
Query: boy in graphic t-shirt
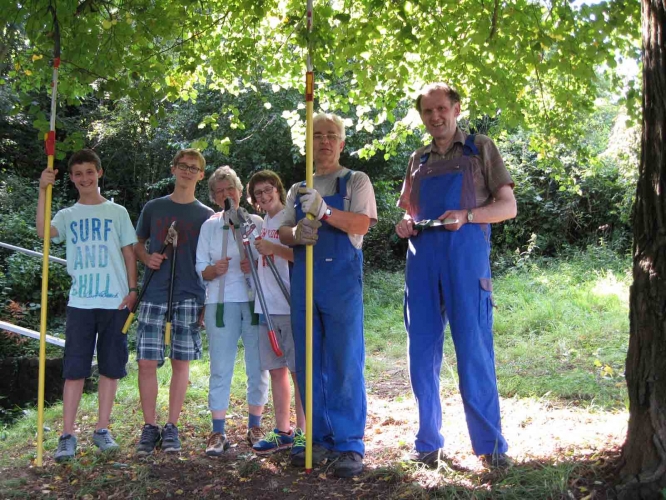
(99, 236)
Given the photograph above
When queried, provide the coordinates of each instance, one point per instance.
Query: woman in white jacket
(229, 313)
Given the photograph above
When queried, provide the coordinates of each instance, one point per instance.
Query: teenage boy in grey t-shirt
(188, 298)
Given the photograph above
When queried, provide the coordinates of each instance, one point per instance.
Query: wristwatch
(470, 215)
(327, 214)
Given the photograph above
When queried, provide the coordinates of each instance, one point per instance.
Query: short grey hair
(330, 117)
(224, 173)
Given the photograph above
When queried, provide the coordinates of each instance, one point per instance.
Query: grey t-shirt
(154, 221)
(360, 198)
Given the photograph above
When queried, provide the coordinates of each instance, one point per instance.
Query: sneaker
(104, 440)
(497, 461)
(427, 458)
(151, 435)
(217, 444)
(254, 435)
(319, 453)
(66, 448)
(348, 464)
(274, 441)
(170, 440)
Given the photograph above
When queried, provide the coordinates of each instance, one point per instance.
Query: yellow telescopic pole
(309, 279)
(50, 151)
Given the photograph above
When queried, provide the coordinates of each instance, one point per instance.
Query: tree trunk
(643, 472)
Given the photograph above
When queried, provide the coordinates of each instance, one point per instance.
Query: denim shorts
(185, 334)
(82, 328)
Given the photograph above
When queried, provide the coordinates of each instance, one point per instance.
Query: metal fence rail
(26, 331)
(31, 333)
(33, 253)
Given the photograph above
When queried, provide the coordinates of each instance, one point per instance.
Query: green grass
(561, 334)
(561, 329)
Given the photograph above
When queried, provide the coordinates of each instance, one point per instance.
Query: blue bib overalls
(447, 278)
(339, 401)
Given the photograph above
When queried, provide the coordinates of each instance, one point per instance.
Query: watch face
(470, 216)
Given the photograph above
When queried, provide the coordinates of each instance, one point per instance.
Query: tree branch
(493, 27)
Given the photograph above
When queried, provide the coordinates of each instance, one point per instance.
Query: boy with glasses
(189, 294)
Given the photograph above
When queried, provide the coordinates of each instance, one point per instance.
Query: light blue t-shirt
(95, 235)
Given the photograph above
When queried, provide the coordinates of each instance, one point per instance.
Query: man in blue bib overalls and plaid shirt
(460, 181)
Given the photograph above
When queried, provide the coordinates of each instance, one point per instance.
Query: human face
(439, 115)
(327, 150)
(225, 189)
(85, 177)
(188, 170)
(267, 197)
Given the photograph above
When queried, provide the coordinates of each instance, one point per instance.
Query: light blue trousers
(223, 346)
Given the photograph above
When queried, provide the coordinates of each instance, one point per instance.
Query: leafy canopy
(532, 62)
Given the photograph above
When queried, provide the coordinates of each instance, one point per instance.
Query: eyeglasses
(327, 137)
(230, 191)
(189, 168)
(267, 190)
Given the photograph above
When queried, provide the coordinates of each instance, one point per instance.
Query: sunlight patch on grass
(609, 284)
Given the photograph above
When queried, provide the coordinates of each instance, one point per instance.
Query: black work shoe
(348, 464)
(151, 435)
(319, 453)
(427, 458)
(497, 461)
(170, 440)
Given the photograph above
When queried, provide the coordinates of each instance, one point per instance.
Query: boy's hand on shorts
(155, 260)
(129, 301)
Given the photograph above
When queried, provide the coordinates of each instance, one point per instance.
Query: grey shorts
(267, 358)
(185, 334)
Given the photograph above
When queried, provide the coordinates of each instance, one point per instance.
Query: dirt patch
(583, 446)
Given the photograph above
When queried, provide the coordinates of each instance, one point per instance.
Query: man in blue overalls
(460, 180)
(343, 205)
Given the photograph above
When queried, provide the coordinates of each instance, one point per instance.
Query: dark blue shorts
(83, 326)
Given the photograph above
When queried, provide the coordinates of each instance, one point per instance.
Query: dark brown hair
(84, 156)
(265, 176)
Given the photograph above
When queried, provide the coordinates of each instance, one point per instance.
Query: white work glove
(306, 232)
(312, 202)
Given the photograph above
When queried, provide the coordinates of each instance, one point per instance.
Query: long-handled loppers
(240, 221)
(219, 312)
(174, 253)
(171, 233)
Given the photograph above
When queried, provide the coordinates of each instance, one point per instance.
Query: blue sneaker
(151, 437)
(104, 441)
(66, 448)
(274, 441)
(170, 439)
